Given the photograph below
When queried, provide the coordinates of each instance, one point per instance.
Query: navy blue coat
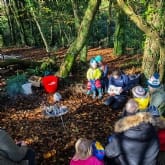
(122, 81)
(137, 142)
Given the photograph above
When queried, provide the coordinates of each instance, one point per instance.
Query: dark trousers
(104, 84)
(117, 102)
(161, 158)
(30, 156)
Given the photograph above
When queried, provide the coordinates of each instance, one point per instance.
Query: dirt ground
(54, 145)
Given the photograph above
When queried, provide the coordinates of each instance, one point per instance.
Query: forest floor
(54, 145)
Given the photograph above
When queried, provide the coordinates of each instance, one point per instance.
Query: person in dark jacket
(135, 140)
(13, 154)
(118, 87)
(104, 70)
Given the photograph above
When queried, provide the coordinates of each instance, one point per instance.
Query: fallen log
(19, 62)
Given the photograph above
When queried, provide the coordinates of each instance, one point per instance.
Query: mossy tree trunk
(153, 58)
(119, 43)
(150, 57)
(79, 42)
(153, 27)
(83, 52)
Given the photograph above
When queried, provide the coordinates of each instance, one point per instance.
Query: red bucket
(50, 83)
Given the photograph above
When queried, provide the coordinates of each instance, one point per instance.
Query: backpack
(98, 150)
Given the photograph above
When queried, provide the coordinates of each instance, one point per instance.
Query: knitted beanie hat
(138, 91)
(154, 81)
(99, 58)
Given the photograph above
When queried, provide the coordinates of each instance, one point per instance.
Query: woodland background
(59, 37)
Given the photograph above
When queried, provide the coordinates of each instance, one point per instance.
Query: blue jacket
(122, 81)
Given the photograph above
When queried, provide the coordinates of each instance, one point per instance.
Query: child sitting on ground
(141, 96)
(104, 69)
(117, 90)
(93, 76)
(84, 154)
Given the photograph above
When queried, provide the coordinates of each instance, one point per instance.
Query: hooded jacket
(137, 140)
(10, 153)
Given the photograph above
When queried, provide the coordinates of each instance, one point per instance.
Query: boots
(94, 95)
(100, 95)
(88, 92)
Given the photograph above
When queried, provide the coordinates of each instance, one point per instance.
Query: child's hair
(131, 106)
(83, 149)
(116, 73)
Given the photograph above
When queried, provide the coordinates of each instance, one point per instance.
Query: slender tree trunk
(9, 20)
(20, 12)
(79, 42)
(15, 14)
(109, 23)
(41, 33)
(83, 52)
(37, 24)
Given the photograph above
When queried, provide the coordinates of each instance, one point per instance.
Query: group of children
(116, 85)
(139, 135)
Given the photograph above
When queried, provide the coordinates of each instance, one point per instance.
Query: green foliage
(34, 71)
(14, 84)
(57, 23)
(47, 64)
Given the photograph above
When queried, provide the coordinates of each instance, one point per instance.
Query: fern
(14, 84)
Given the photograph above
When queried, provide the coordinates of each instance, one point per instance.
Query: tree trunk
(149, 63)
(153, 46)
(37, 24)
(41, 33)
(161, 64)
(83, 52)
(15, 14)
(6, 8)
(154, 53)
(79, 42)
(109, 23)
(119, 34)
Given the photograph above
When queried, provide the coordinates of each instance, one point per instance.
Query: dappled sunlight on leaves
(23, 117)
